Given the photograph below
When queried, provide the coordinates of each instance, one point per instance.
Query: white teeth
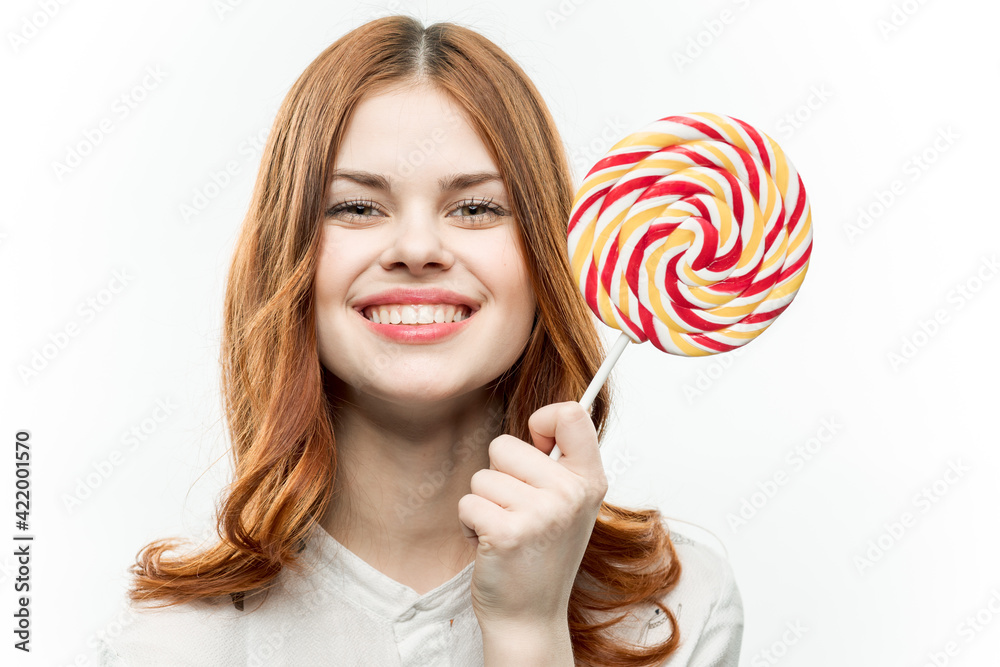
(425, 315)
(416, 313)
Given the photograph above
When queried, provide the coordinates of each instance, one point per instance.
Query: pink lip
(416, 333)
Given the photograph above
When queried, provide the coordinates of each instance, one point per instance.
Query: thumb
(571, 427)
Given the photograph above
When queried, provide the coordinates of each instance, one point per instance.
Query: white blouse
(342, 611)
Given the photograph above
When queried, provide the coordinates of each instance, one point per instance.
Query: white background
(852, 97)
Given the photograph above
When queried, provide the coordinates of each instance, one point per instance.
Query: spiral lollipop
(693, 233)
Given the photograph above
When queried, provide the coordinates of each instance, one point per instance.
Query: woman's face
(418, 228)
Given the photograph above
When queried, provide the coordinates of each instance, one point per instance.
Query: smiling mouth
(416, 314)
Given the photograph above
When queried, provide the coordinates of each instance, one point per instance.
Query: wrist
(527, 644)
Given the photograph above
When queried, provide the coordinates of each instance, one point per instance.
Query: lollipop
(693, 233)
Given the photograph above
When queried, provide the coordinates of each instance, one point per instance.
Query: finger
(570, 426)
(502, 489)
(524, 462)
(479, 517)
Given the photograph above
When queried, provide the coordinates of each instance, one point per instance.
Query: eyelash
(487, 203)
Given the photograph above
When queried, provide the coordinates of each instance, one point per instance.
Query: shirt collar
(352, 579)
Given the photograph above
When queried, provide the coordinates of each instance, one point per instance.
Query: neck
(401, 470)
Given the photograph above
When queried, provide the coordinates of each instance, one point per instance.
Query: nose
(417, 245)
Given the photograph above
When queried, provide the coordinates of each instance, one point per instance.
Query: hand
(531, 518)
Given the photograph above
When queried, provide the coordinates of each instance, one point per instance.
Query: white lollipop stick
(598, 381)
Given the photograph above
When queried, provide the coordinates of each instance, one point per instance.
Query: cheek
(517, 281)
(335, 273)
(325, 282)
(339, 261)
(524, 297)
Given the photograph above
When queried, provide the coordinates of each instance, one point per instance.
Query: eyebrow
(447, 184)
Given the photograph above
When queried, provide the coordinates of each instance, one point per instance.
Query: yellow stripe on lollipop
(777, 254)
(735, 311)
(723, 124)
(780, 164)
(741, 335)
(803, 230)
(595, 181)
(582, 253)
(604, 299)
(623, 300)
(651, 139)
(792, 285)
(668, 165)
(720, 157)
(773, 196)
(686, 347)
(715, 298)
(753, 243)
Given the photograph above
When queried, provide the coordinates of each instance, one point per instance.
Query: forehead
(409, 131)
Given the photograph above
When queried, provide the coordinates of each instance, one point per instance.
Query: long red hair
(276, 394)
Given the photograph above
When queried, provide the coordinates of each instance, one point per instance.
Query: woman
(403, 345)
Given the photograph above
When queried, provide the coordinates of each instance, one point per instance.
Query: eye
(352, 210)
(481, 211)
(476, 211)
